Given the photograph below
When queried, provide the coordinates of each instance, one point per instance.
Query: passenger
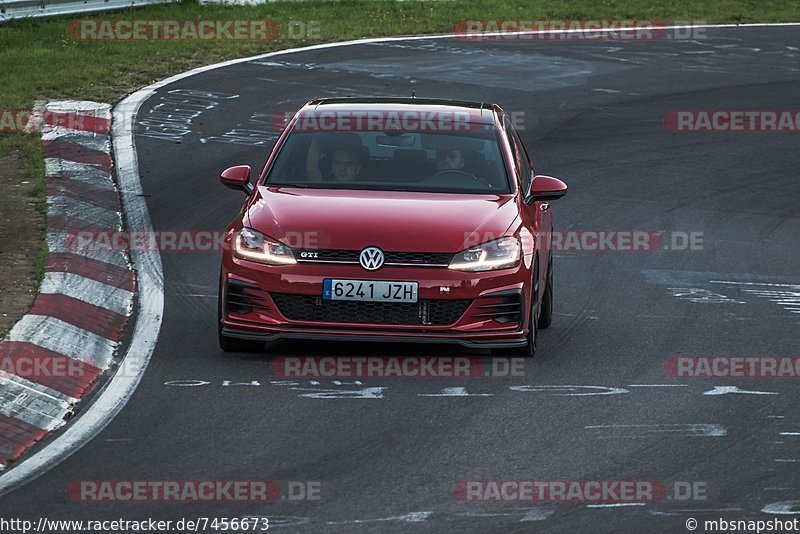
(346, 163)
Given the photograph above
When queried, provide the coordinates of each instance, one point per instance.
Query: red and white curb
(55, 353)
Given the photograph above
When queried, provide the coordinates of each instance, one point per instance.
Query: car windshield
(427, 161)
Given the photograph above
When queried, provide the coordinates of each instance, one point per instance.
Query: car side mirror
(237, 178)
(545, 188)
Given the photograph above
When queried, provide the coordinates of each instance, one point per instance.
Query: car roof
(478, 112)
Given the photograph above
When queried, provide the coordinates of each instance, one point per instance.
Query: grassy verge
(23, 207)
(39, 59)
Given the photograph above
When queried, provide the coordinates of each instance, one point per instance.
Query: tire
(529, 349)
(546, 309)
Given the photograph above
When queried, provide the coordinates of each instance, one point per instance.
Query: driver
(449, 160)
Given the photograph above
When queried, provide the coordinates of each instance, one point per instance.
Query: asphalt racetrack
(595, 404)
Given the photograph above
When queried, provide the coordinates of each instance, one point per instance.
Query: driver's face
(449, 159)
(345, 166)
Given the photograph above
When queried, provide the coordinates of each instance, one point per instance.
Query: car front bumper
(494, 303)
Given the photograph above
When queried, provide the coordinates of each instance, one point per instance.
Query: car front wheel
(546, 309)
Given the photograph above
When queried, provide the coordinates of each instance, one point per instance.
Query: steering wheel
(458, 173)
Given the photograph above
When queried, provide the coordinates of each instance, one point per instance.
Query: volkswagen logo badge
(371, 258)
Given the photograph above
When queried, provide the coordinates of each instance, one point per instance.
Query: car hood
(391, 220)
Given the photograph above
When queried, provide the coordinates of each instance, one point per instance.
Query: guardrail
(18, 9)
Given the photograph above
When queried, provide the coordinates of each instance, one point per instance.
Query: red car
(391, 220)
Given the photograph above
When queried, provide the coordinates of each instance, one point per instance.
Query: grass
(39, 59)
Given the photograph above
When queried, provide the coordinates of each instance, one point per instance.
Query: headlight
(254, 246)
(499, 254)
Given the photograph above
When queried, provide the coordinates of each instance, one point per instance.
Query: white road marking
(725, 390)
(537, 514)
(790, 433)
(187, 383)
(412, 517)
(570, 391)
(615, 505)
(455, 392)
(701, 296)
(788, 300)
(172, 118)
(695, 511)
(656, 430)
(366, 393)
(783, 507)
(796, 286)
(787, 460)
(657, 385)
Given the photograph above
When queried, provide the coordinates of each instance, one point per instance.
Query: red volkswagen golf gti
(391, 220)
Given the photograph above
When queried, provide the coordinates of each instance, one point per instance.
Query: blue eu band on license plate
(369, 290)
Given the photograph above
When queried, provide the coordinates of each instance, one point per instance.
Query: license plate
(369, 290)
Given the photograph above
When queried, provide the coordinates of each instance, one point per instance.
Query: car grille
(424, 312)
(433, 259)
